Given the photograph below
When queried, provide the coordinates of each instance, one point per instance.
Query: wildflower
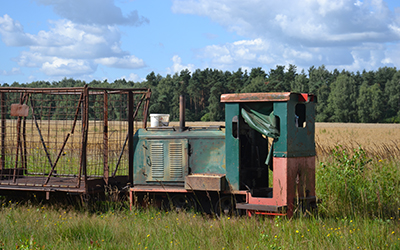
(297, 231)
(148, 235)
(392, 232)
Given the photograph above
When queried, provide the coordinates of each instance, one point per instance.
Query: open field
(378, 140)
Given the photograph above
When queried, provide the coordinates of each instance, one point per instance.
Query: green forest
(364, 97)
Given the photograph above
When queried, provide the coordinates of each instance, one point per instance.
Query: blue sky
(104, 39)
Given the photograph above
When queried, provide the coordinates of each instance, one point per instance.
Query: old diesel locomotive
(261, 161)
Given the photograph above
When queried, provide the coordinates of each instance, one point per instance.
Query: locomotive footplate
(258, 207)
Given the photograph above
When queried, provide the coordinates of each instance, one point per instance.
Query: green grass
(353, 184)
(47, 227)
(360, 209)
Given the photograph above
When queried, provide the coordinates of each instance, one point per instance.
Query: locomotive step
(258, 207)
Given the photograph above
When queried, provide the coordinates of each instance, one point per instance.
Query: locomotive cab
(270, 150)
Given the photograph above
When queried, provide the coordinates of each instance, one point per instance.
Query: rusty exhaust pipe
(182, 108)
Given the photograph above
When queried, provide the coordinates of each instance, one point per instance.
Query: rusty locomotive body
(261, 161)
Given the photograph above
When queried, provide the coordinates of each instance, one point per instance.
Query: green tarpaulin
(264, 123)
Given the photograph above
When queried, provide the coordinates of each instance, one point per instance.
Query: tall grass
(48, 227)
(350, 183)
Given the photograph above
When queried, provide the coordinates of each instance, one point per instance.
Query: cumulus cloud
(59, 66)
(178, 67)
(311, 32)
(102, 12)
(306, 22)
(12, 32)
(12, 72)
(128, 62)
(68, 48)
(133, 77)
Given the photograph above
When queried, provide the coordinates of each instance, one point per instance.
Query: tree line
(366, 97)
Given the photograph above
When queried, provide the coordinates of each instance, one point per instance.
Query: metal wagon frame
(74, 140)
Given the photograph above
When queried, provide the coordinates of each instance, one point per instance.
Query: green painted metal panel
(207, 155)
(296, 140)
(166, 160)
(232, 152)
(157, 156)
(280, 146)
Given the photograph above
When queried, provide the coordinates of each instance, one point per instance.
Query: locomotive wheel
(226, 205)
(182, 202)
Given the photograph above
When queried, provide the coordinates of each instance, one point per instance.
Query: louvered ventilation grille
(157, 160)
(175, 160)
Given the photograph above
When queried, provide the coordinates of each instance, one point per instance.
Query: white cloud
(102, 12)
(67, 67)
(178, 67)
(12, 32)
(289, 20)
(128, 62)
(133, 77)
(304, 33)
(241, 52)
(13, 71)
(68, 48)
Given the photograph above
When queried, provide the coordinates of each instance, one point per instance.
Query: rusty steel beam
(146, 108)
(85, 129)
(3, 131)
(23, 150)
(105, 139)
(143, 90)
(130, 137)
(21, 100)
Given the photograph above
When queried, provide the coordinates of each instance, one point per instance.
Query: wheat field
(377, 140)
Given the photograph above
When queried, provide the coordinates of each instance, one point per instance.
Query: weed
(351, 183)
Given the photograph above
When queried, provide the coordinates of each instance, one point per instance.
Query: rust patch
(256, 97)
(206, 182)
(19, 110)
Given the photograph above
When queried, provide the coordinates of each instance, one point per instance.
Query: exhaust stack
(182, 109)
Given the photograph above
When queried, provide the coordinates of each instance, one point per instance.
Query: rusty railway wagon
(81, 140)
(68, 140)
